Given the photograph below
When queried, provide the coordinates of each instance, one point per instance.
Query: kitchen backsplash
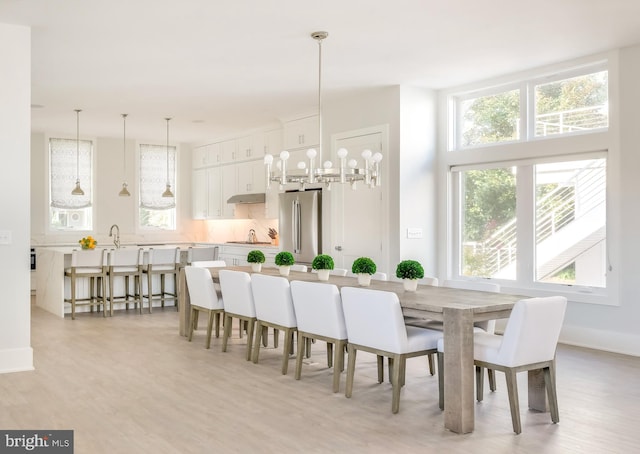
(238, 229)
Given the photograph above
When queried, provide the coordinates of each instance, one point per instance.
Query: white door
(358, 224)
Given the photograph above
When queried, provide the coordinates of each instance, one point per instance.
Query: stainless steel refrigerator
(301, 224)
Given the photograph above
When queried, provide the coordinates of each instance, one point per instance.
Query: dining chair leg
(491, 374)
(512, 391)
(250, 334)
(209, 329)
(256, 345)
(276, 337)
(380, 362)
(339, 361)
(441, 380)
(193, 320)
(351, 369)
(241, 327)
(291, 342)
(329, 354)
(550, 384)
(479, 383)
(217, 315)
(391, 364)
(227, 331)
(396, 382)
(403, 369)
(430, 357)
(307, 347)
(285, 351)
(265, 335)
(301, 342)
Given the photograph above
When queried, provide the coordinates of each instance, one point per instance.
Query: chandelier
(348, 171)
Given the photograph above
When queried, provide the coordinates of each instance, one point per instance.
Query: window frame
(542, 149)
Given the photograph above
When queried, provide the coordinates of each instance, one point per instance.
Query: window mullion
(525, 212)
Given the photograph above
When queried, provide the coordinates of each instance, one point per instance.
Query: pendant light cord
(124, 147)
(78, 144)
(168, 181)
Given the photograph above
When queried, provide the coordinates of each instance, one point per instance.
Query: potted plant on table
(364, 268)
(410, 271)
(256, 259)
(323, 264)
(284, 260)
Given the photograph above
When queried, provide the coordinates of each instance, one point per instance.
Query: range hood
(247, 198)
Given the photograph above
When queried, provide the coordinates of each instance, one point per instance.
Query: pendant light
(77, 190)
(124, 192)
(167, 192)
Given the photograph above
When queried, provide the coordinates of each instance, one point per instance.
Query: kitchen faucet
(116, 238)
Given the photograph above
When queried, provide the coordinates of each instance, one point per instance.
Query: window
(537, 108)
(572, 105)
(490, 119)
(69, 160)
(528, 192)
(156, 167)
(568, 215)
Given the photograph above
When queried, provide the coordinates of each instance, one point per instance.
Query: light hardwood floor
(131, 384)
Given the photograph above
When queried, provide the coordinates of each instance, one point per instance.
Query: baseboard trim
(16, 360)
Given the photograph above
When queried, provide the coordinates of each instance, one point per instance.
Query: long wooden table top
(427, 301)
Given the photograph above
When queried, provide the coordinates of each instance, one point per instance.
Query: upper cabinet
(229, 150)
(267, 142)
(207, 156)
(301, 133)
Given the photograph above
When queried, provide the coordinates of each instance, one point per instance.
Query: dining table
(457, 309)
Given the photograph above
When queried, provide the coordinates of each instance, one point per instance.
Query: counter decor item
(88, 242)
(273, 234)
(323, 264)
(256, 259)
(410, 271)
(284, 260)
(364, 268)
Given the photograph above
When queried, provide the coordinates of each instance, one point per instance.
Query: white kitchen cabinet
(267, 142)
(229, 174)
(206, 193)
(229, 150)
(246, 149)
(251, 177)
(236, 254)
(301, 133)
(206, 156)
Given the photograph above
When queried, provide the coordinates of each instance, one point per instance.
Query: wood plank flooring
(131, 384)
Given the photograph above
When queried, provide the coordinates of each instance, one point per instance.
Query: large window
(157, 167)
(528, 213)
(69, 160)
(567, 241)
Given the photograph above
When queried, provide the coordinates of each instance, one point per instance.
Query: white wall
(417, 176)
(15, 300)
(109, 207)
(607, 327)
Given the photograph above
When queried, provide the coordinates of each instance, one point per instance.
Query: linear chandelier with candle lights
(348, 171)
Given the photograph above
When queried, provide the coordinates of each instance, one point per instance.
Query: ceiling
(218, 67)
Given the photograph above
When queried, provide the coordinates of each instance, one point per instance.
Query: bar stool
(87, 267)
(162, 263)
(125, 264)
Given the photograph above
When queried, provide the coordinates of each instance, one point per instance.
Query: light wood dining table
(457, 309)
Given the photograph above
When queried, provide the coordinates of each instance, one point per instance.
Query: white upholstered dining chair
(318, 309)
(238, 303)
(375, 324)
(274, 308)
(204, 298)
(125, 265)
(529, 343)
